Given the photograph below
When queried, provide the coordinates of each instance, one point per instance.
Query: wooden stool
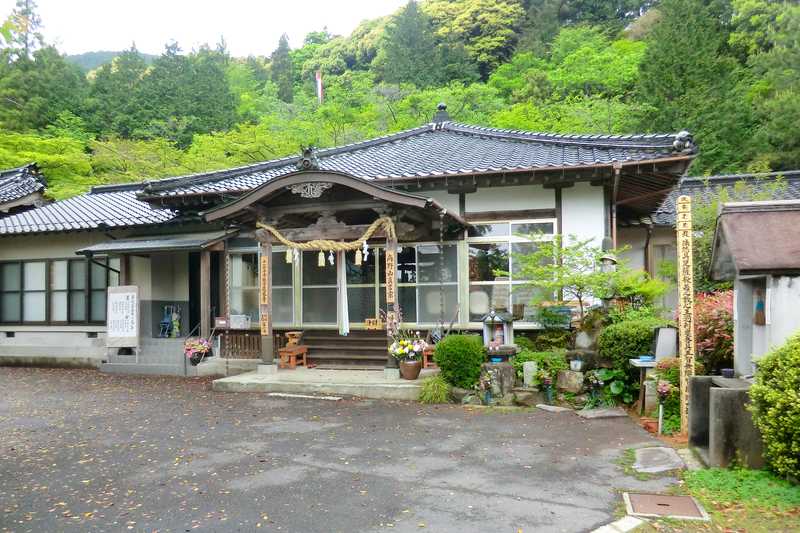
(289, 356)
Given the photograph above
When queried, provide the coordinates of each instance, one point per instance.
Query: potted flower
(407, 348)
(196, 349)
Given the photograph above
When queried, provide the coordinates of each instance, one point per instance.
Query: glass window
(317, 275)
(10, 306)
(363, 274)
(532, 228)
(430, 267)
(11, 292)
(492, 230)
(361, 303)
(35, 278)
(406, 265)
(485, 259)
(430, 304)
(319, 305)
(34, 284)
(489, 253)
(11, 276)
(244, 285)
(281, 270)
(282, 305)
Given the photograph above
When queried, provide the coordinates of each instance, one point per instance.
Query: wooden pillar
(124, 270)
(265, 297)
(205, 293)
(392, 303)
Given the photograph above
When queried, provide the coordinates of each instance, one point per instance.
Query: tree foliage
(726, 70)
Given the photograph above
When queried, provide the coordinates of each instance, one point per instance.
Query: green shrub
(775, 398)
(737, 486)
(525, 343)
(434, 390)
(460, 357)
(617, 314)
(713, 329)
(550, 340)
(549, 362)
(625, 340)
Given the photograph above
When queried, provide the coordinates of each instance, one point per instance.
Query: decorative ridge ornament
(308, 158)
(310, 190)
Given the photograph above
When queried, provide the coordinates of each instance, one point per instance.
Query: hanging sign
(685, 302)
(391, 276)
(264, 280)
(122, 317)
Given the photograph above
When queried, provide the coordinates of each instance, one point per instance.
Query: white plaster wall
(634, 239)
(449, 201)
(784, 294)
(583, 213)
(49, 246)
(169, 276)
(511, 198)
(139, 274)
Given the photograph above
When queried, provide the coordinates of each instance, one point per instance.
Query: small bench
(289, 356)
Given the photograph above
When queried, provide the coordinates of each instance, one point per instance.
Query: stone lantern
(498, 335)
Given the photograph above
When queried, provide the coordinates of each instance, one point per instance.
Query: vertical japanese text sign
(122, 317)
(683, 227)
(391, 275)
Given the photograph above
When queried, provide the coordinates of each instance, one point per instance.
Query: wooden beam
(205, 294)
(265, 302)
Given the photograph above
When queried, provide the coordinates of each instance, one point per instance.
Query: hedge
(628, 339)
(775, 403)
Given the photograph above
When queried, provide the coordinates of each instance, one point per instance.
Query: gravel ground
(85, 451)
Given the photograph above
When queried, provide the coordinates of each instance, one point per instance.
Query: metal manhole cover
(660, 505)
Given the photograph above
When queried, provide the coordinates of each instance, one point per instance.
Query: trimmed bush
(775, 403)
(524, 343)
(460, 357)
(713, 329)
(551, 340)
(434, 390)
(625, 340)
(550, 362)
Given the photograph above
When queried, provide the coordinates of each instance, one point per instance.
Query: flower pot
(196, 358)
(410, 369)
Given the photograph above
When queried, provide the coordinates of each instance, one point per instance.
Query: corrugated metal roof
(704, 189)
(192, 241)
(17, 183)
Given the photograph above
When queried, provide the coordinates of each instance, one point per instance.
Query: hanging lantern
(358, 257)
(321, 259)
(330, 257)
(288, 255)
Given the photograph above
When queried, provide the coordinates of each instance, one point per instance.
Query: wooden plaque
(263, 275)
(264, 323)
(391, 275)
(686, 346)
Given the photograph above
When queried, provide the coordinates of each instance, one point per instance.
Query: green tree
(35, 90)
(409, 47)
(281, 70)
(689, 81)
(487, 28)
(23, 31)
(113, 106)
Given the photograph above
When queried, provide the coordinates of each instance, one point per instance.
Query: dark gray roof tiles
(17, 183)
(88, 211)
(437, 150)
(778, 185)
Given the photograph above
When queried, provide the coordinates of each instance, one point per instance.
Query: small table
(643, 366)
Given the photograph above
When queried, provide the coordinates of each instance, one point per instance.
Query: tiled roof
(703, 189)
(114, 208)
(17, 183)
(433, 150)
(442, 149)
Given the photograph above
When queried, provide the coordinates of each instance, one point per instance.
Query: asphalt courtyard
(84, 451)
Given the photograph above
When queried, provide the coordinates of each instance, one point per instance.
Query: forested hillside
(726, 70)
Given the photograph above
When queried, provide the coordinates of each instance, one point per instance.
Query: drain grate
(660, 505)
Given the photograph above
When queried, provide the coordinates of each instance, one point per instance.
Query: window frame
(509, 239)
(49, 291)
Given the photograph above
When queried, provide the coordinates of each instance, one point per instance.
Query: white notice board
(122, 319)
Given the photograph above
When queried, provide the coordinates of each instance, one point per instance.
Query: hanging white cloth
(341, 274)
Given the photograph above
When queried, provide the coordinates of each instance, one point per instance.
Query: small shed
(757, 245)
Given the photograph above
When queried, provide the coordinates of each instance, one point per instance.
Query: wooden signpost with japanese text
(686, 350)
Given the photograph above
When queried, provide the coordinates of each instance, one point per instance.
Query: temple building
(447, 205)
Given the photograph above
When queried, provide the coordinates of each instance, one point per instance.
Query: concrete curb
(623, 525)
